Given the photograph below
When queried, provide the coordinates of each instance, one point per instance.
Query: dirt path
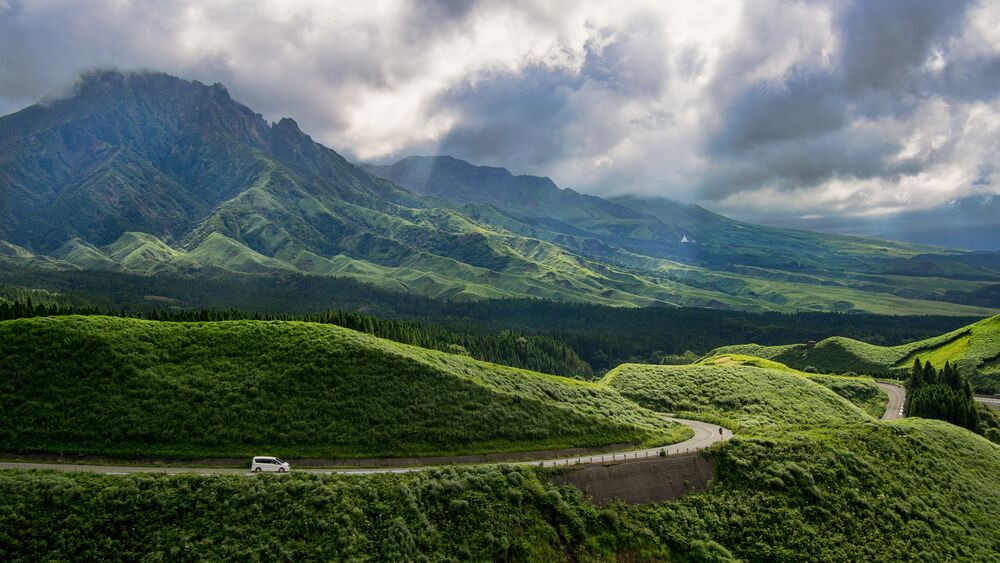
(704, 436)
(897, 397)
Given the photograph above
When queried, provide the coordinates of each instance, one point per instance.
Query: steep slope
(695, 248)
(127, 387)
(146, 173)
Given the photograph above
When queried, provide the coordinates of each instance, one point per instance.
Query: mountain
(145, 173)
(654, 227)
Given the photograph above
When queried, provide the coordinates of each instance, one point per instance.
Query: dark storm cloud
(884, 42)
(523, 120)
(796, 133)
(518, 119)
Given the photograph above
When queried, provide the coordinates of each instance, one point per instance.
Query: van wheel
(281, 470)
(256, 470)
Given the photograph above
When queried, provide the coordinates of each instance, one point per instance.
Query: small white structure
(685, 239)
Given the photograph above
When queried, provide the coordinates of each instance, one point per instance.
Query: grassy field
(909, 490)
(740, 396)
(861, 391)
(975, 349)
(128, 387)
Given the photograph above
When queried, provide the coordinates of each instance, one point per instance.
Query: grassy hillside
(975, 349)
(861, 391)
(741, 396)
(127, 387)
(912, 490)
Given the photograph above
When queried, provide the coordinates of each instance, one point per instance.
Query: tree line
(537, 353)
(602, 337)
(944, 395)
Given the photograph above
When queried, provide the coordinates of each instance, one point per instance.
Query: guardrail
(618, 458)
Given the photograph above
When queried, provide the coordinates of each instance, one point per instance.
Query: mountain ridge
(145, 173)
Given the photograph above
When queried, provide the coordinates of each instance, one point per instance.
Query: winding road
(897, 398)
(705, 435)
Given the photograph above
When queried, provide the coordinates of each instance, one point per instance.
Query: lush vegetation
(861, 391)
(740, 396)
(911, 490)
(128, 387)
(537, 353)
(603, 337)
(974, 350)
(944, 395)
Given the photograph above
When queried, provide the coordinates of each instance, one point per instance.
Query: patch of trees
(944, 395)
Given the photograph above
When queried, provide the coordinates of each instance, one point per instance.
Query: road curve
(897, 398)
(990, 401)
(705, 435)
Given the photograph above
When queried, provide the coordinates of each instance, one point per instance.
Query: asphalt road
(897, 396)
(705, 435)
(991, 402)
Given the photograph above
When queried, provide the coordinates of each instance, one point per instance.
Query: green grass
(975, 349)
(909, 490)
(740, 396)
(127, 387)
(863, 392)
(940, 355)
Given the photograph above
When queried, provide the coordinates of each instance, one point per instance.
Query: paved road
(897, 397)
(991, 402)
(704, 436)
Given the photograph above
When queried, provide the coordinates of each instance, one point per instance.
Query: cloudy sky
(791, 112)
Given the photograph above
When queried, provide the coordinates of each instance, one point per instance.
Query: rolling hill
(974, 349)
(148, 174)
(863, 492)
(861, 391)
(128, 387)
(740, 396)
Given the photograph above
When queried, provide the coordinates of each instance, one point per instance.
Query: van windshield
(278, 460)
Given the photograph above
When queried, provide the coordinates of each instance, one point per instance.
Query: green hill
(974, 349)
(909, 490)
(861, 391)
(127, 387)
(741, 396)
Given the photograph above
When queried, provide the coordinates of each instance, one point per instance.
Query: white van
(268, 463)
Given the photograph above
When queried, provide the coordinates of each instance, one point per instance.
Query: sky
(830, 114)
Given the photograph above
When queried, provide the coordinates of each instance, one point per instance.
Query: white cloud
(752, 106)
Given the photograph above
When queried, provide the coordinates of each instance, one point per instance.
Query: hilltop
(129, 387)
(740, 396)
(973, 349)
(148, 174)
